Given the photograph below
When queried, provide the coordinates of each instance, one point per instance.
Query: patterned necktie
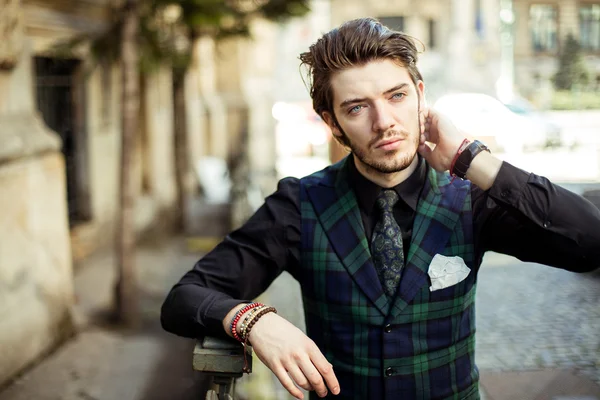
(386, 245)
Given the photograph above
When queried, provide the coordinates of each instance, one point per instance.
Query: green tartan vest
(420, 345)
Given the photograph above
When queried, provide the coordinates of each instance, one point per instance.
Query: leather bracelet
(463, 162)
(461, 148)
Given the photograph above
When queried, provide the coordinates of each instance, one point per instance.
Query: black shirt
(522, 214)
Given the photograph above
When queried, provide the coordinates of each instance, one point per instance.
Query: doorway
(61, 102)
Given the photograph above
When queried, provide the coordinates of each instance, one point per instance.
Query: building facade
(541, 28)
(460, 41)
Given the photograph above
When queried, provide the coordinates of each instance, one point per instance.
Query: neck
(386, 180)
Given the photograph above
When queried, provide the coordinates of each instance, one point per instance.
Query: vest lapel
(438, 212)
(337, 210)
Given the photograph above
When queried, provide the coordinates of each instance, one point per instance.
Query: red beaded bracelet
(238, 315)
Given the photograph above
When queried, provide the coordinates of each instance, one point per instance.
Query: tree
(572, 71)
(217, 19)
(143, 36)
(126, 288)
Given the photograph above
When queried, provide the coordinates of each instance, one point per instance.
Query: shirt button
(505, 193)
(547, 224)
(387, 328)
(389, 371)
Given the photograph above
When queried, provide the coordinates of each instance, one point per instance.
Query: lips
(389, 144)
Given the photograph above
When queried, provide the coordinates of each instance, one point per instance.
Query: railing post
(223, 360)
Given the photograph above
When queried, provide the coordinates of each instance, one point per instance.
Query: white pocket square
(447, 271)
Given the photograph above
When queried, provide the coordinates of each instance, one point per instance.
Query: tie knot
(387, 199)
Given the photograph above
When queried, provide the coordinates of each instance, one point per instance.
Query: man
(386, 244)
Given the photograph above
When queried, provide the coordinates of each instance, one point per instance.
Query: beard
(392, 161)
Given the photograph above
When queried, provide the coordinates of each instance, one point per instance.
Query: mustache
(388, 135)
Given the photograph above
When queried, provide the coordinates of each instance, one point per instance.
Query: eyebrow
(348, 102)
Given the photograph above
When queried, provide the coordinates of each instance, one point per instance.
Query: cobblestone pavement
(531, 316)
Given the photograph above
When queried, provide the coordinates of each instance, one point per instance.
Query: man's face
(377, 108)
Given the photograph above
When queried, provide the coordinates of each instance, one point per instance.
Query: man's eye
(398, 95)
(355, 109)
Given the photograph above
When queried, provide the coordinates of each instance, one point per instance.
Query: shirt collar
(408, 190)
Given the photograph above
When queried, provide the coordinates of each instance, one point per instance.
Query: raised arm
(519, 213)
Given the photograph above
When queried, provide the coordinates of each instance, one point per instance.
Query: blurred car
(523, 107)
(512, 128)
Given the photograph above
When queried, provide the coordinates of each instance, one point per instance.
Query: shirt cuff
(509, 184)
(217, 311)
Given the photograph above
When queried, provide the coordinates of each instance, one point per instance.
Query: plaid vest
(418, 346)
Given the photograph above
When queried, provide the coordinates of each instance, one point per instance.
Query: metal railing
(223, 360)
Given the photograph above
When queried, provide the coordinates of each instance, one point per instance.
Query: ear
(421, 91)
(330, 121)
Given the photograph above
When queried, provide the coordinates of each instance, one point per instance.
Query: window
(394, 23)
(589, 27)
(544, 27)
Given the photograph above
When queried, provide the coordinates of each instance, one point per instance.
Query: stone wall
(36, 285)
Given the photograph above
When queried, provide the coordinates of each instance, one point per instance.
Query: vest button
(389, 371)
(387, 328)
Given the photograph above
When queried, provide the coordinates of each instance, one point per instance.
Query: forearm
(525, 215)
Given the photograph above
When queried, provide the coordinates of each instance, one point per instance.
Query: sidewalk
(106, 363)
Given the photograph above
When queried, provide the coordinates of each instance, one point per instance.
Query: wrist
(483, 170)
(252, 320)
(232, 319)
(264, 321)
(459, 149)
(465, 156)
(230, 316)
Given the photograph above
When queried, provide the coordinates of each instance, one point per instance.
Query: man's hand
(292, 356)
(439, 131)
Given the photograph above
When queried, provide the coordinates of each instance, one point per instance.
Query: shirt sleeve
(527, 216)
(239, 269)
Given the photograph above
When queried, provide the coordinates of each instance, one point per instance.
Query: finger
(287, 383)
(425, 151)
(432, 130)
(298, 376)
(326, 370)
(314, 378)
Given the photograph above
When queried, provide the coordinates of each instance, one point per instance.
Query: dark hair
(354, 43)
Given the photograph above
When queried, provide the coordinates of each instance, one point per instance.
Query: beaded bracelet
(248, 317)
(256, 317)
(237, 316)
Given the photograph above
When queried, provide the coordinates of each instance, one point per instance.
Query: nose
(382, 117)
